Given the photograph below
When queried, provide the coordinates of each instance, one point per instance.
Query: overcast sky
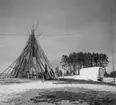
(87, 21)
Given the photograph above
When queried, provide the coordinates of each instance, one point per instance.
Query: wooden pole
(112, 35)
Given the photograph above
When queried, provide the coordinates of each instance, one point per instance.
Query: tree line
(75, 61)
(111, 74)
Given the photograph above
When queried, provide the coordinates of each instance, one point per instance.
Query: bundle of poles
(32, 63)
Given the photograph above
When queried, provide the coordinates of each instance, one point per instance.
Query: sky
(67, 25)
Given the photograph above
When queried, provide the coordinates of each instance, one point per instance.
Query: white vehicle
(92, 73)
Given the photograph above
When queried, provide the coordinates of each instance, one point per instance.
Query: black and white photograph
(57, 52)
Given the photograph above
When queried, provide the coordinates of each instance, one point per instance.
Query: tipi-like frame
(31, 64)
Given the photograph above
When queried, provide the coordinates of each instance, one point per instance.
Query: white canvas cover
(92, 73)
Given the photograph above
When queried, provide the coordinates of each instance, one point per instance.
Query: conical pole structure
(32, 60)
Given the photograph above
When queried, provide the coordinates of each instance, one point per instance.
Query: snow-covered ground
(108, 80)
(81, 78)
(10, 91)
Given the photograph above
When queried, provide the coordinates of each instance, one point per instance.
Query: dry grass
(66, 96)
